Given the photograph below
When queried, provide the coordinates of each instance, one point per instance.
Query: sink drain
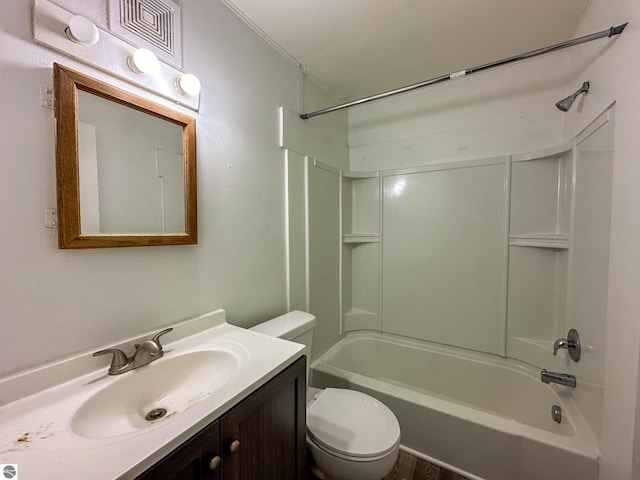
(156, 414)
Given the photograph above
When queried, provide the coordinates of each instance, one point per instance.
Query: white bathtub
(484, 416)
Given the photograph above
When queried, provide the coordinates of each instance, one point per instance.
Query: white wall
(489, 114)
(323, 214)
(588, 285)
(57, 302)
(613, 70)
(443, 256)
(313, 197)
(329, 132)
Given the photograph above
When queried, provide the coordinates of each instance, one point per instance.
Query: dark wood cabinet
(261, 438)
(197, 459)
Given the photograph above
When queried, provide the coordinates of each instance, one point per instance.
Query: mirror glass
(125, 167)
(131, 169)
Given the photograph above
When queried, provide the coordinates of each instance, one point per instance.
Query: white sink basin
(70, 416)
(163, 388)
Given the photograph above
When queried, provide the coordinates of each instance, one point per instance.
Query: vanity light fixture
(82, 30)
(188, 84)
(70, 35)
(143, 61)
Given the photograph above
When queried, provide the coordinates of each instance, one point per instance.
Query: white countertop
(36, 426)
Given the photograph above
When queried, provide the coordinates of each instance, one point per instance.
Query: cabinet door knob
(235, 446)
(214, 463)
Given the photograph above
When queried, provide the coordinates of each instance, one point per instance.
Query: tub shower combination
(446, 286)
(472, 412)
(457, 283)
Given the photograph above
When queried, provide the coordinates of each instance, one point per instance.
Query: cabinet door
(197, 459)
(263, 437)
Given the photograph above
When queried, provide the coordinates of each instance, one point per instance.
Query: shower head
(565, 103)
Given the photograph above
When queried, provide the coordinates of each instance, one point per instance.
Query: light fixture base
(109, 56)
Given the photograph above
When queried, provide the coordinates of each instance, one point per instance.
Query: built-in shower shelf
(361, 238)
(357, 312)
(540, 240)
(358, 319)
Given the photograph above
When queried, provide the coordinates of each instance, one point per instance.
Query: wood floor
(409, 467)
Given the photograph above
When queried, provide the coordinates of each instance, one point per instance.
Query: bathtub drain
(556, 413)
(156, 414)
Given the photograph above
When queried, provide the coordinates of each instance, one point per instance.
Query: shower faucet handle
(571, 344)
(558, 344)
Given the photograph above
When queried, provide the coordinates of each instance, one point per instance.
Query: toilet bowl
(350, 435)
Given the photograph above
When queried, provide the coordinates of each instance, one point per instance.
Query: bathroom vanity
(232, 403)
(263, 437)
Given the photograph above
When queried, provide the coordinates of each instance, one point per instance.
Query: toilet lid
(352, 423)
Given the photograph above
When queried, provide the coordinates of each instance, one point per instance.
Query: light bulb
(82, 30)
(188, 84)
(143, 61)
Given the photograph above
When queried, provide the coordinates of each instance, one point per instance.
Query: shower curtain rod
(462, 73)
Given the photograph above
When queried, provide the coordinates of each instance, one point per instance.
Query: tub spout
(559, 378)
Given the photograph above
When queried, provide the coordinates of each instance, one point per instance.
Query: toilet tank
(296, 326)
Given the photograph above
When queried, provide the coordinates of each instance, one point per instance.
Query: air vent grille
(153, 24)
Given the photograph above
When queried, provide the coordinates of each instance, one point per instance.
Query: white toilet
(350, 435)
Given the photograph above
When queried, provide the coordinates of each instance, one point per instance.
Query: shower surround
(479, 265)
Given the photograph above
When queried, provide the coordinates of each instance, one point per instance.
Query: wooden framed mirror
(125, 167)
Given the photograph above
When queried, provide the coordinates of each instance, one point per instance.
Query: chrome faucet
(571, 343)
(146, 352)
(559, 378)
(560, 343)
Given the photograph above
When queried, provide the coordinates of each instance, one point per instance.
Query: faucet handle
(559, 343)
(156, 337)
(571, 343)
(119, 358)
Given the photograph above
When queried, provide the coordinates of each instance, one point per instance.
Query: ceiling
(356, 48)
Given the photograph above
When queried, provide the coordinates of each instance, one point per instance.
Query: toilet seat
(352, 425)
(341, 455)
